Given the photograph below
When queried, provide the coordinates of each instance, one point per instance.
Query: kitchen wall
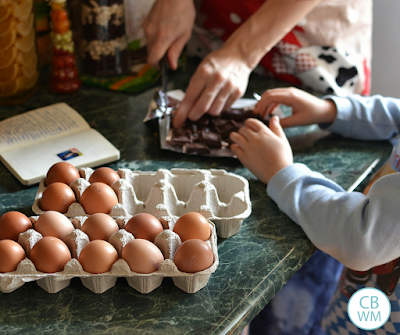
(386, 48)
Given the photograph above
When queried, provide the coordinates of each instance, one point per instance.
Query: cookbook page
(39, 125)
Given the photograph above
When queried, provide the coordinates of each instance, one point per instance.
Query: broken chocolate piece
(211, 138)
(219, 121)
(235, 114)
(196, 137)
(203, 121)
(237, 124)
(180, 137)
(226, 129)
(196, 148)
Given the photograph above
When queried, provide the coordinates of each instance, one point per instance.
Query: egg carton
(167, 241)
(220, 196)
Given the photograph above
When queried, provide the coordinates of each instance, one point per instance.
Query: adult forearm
(266, 27)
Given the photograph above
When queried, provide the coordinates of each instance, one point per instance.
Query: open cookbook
(33, 141)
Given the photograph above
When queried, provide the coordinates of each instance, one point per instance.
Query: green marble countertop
(254, 264)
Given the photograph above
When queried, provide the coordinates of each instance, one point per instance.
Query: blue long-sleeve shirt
(361, 231)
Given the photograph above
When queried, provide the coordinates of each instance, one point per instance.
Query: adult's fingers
(175, 51)
(180, 116)
(236, 94)
(155, 51)
(220, 101)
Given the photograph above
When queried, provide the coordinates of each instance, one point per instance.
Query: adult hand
(220, 79)
(306, 108)
(168, 27)
(264, 151)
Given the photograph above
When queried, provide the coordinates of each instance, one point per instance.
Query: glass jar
(104, 46)
(18, 54)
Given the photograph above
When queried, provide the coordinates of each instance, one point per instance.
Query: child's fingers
(275, 97)
(294, 120)
(237, 150)
(267, 111)
(239, 139)
(254, 124)
(276, 127)
(246, 132)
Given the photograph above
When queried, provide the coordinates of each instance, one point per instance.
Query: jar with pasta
(18, 54)
(104, 45)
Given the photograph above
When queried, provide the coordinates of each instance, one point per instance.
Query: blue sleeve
(366, 118)
(361, 231)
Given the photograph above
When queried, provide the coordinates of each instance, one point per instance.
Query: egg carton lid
(222, 197)
(99, 283)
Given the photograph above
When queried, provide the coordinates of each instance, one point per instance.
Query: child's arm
(361, 231)
(358, 230)
(366, 118)
(306, 108)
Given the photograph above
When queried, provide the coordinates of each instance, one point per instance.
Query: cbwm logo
(369, 308)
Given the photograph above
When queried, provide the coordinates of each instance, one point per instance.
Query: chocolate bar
(210, 134)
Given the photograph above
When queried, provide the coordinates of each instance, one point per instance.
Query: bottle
(42, 25)
(18, 53)
(64, 72)
(104, 45)
(391, 166)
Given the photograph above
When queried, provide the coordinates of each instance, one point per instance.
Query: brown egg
(99, 226)
(62, 172)
(144, 226)
(104, 175)
(50, 254)
(193, 256)
(98, 256)
(142, 256)
(12, 224)
(192, 225)
(98, 198)
(57, 197)
(11, 254)
(55, 224)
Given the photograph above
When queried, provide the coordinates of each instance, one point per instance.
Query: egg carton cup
(220, 196)
(167, 241)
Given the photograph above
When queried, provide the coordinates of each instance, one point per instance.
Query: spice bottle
(64, 72)
(104, 45)
(18, 54)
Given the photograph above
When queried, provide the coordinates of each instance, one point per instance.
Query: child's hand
(264, 151)
(306, 108)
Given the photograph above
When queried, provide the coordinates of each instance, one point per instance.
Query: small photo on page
(71, 153)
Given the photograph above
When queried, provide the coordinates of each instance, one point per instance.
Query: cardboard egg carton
(220, 196)
(167, 241)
